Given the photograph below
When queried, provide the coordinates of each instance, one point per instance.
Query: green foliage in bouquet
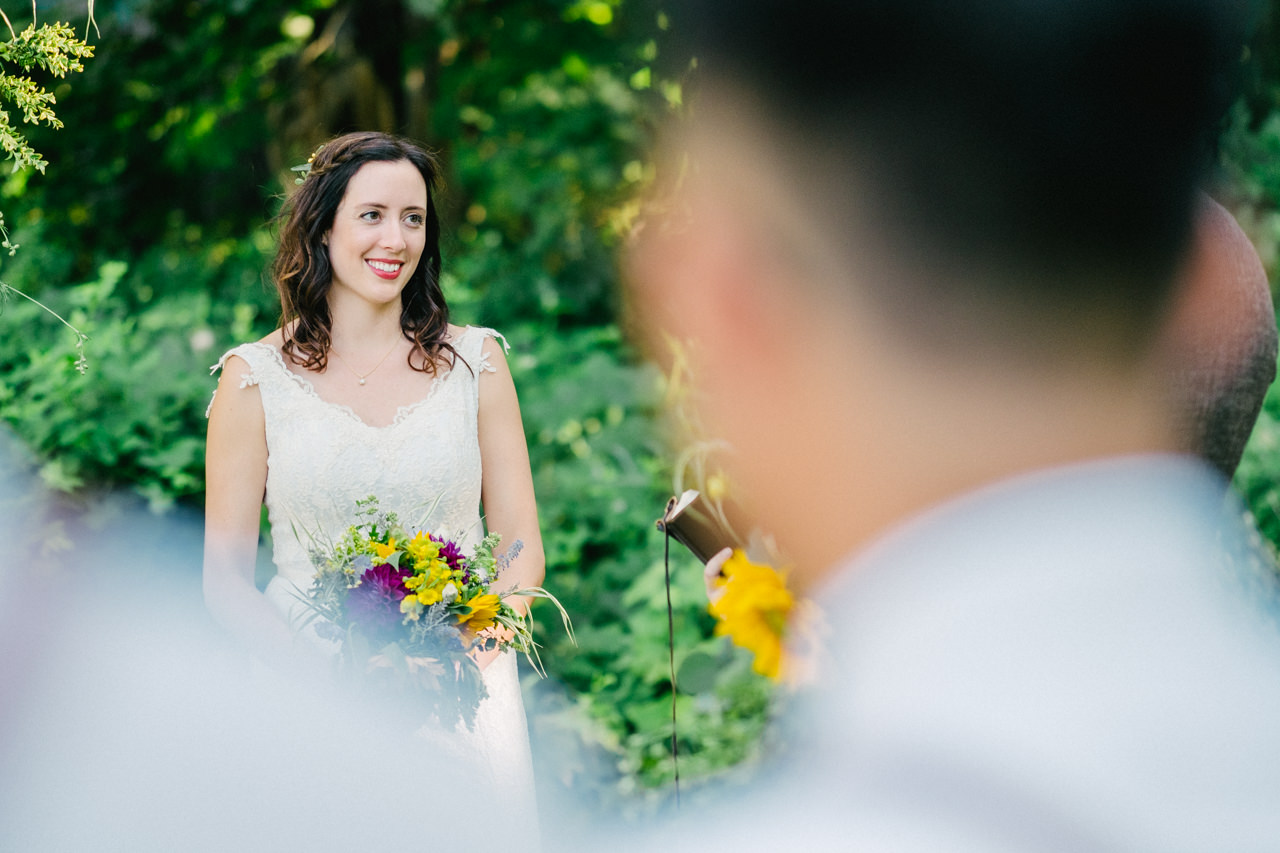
(410, 605)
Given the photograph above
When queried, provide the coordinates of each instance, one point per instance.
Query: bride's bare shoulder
(275, 339)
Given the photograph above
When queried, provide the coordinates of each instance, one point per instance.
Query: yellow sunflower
(753, 611)
(483, 612)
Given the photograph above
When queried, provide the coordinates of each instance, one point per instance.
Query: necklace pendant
(361, 380)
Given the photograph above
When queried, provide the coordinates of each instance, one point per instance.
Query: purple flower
(450, 553)
(374, 605)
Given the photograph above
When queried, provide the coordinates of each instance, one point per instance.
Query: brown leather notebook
(689, 522)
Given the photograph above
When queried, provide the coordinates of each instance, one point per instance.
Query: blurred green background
(150, 233)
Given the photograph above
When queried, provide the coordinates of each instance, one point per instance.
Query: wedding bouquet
(409, 608)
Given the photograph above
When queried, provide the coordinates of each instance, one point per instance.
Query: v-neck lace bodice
(322, 458)
(309, 388)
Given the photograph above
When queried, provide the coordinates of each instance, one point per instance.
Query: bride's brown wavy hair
(302, 271)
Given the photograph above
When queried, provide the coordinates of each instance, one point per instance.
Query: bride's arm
(507, 483)
(235, 482)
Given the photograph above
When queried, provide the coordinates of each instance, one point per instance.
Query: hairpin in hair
(304, 171)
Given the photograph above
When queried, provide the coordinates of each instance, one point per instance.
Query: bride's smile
(386, 269)
(379, 232)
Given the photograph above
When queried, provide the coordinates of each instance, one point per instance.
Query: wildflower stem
(8, 288)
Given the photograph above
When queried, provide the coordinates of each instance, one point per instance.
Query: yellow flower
(384, 552)
(484, 609)
(422, 548)
(430, 573)
(439, 571)
(430, 585)
(411, 607)
(753, 611)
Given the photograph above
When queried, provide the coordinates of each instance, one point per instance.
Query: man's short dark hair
(1044, 150)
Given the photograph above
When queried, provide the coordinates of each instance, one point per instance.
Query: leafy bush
(1251, 167)
(137, 417)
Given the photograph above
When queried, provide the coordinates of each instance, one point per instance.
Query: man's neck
(909, 452)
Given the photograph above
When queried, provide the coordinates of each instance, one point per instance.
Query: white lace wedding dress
(321, 459)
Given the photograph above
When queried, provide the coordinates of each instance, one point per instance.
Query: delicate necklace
(364, 376)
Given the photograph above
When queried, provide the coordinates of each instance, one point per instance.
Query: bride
(366, 389)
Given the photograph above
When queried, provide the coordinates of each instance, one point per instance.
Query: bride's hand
(713, 572)
(483, 658)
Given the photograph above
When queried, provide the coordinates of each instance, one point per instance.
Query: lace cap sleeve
(246, 379)
(481, 333)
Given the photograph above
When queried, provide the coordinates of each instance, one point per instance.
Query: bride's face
(378, 233)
